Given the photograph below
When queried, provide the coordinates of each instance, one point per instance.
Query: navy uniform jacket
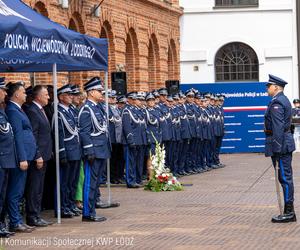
(296, 112)
(153, 125)
(199, 122)
(206, 124)
(93, 131)
(184, 122)
(41, 130)
(115, 124)
(176, 126)
(165, 121)
(25, 142)
(192, 119)
(279, 139)
(133, 126)
(69, 144)
(7, 145)
(75, 112)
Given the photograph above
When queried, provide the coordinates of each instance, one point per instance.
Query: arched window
(236, 62)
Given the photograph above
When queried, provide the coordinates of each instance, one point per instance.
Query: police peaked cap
(274, 80)
(2, 83)
(65, 89)
(75, 89)
(94, 84)
(121, 99)
(190, 92)
(296, 101)
(131, 95)
(150, 96)
(163, 91)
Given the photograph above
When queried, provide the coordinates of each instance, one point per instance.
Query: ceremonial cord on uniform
(5, 128)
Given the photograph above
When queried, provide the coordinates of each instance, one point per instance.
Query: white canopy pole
(107, 118)
(56, 143)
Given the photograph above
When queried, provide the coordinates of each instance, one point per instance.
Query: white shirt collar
(16, 104)
(93, 102)
(64, 106)
(37, 104)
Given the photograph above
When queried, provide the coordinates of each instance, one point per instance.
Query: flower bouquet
(161, 179)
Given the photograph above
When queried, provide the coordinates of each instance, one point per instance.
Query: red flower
(173, 181)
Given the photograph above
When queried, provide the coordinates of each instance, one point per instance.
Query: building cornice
(165, 5)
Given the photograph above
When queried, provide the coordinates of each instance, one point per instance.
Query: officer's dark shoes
(284, 218)
(221, 165)
(287, 216)
(76, 210)
(36, 222)
(5, 234)
(134, 186)
(66, 215)
(93, 218)
(215, 166)
(20, 228)
(46, 222)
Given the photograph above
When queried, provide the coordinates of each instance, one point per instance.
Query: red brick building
(143, 38)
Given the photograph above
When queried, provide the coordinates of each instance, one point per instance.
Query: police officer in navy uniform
(8, 158)
(132, 140)
(280, 144)
(69, 152)
(154, 131)
(165, 122)
(115, 131)
(93, 131)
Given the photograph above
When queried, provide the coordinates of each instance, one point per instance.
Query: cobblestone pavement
(228, 208)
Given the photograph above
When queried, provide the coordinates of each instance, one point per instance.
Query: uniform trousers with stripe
(285, 175)
(91, 185)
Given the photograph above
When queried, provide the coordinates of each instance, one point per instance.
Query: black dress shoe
(46, 222)
(66, 215)
(75, 212)
(133, 186)
(76, 209)
(36, 222)
(20, 228)
(284, 218)
(4, 233)
(103, 205)
(93, 218)
(4, 230)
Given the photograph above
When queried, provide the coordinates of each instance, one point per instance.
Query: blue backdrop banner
(30, 42)
(245, 105)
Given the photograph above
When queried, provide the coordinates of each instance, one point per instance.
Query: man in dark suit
(27, 152)
(36, 174)
(8, 158)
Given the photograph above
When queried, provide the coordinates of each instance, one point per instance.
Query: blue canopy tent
(30, 42)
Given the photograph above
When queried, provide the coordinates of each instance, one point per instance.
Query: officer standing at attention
(132, 139)
(69, 152)
(280, 144)
(94, 136)
(8, 158)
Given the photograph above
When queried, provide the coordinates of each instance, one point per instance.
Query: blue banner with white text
(245, 106)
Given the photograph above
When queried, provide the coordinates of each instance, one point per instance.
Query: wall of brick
(143, 38)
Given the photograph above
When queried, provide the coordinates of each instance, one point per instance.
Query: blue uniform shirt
(279, 139)
(7, 145)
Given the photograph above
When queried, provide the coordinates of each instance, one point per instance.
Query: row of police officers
(190, 126)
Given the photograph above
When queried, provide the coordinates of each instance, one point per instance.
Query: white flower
(174, 178)
(163, 175)
(170, 182)
(156, 175)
